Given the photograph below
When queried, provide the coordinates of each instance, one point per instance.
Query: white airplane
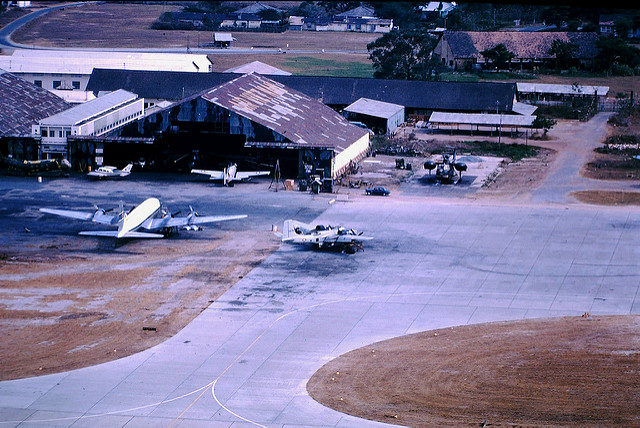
(229, 174)
(142, 218)
(110, 172)
(321, 236)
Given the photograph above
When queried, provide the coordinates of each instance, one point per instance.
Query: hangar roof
(374, 108)
(257, 67)
(83, 62)
(300, 119)
(413, 94)
(23, 104)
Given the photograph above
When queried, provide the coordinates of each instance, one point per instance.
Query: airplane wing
(78, 215)
(249, 174)
(213, 175)
(157, 223)
(97, 217)
(114, 234)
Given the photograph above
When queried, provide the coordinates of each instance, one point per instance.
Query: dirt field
(554, 371)
(128, 26)
(64, 305)
(600, 197)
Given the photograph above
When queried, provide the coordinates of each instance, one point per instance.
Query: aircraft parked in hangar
(107, 172)
(321, 236)
(229, 174)
(135, 223)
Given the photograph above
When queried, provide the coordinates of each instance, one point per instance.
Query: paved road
(246, 359)
(575, 142)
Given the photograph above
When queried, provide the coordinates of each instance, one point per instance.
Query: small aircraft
(110, 172)
(446, 168)
(321, 236)
(229, 174)
(134, 223)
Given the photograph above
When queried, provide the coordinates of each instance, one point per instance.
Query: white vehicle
(110, 172)
(229, 174)
(321, 236)
(143, 218)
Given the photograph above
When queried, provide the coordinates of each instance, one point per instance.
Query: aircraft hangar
(249, 117)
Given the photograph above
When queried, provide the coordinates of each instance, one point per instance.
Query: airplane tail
(127, 168)
(289, 228)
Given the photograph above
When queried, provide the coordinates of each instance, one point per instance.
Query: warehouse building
(417, 97)
(249, 117)
(93, 118)
(380, 117)
(70, 70)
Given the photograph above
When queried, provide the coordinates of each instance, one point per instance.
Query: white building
(51, 69)
(441, 8)
(95, 117)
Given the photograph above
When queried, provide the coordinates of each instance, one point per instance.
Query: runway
(246, 359)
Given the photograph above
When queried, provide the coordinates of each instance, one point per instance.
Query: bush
(620, 70)
(622, 139)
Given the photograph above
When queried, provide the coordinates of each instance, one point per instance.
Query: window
(76, 84)
(38, 83)
(44, 132)
(56, 83)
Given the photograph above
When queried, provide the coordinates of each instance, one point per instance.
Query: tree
(544, 123)
(404, 54)
(615, 53)
(623, 27)
(564, 51)
(269, 15)
(499, 55)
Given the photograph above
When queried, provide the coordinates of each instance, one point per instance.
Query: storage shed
(380, 117)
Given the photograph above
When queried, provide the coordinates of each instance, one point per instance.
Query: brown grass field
(128, 26)
(540, 372)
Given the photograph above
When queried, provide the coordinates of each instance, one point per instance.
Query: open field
(322, 64)
(128, 26)
(563, 371)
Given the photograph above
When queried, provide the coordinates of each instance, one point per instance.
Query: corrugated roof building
(257, 67)
(414, 95)
(22, 104)
(379, 116)
(296, 120)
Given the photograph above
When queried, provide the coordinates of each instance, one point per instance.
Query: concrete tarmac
(246, 359)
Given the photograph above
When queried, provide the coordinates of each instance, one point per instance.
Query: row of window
(118, 122)
(46, 133)
(56, 83)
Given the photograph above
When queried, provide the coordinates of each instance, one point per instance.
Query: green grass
(515, 152)
(309, 66)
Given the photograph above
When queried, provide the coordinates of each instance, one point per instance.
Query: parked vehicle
(378, 191)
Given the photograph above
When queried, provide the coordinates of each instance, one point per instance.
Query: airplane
(229, 174)
(142, 218)
(110, 172)
(321, 236)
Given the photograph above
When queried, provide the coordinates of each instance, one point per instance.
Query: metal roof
(292, 114)
(524, 108)
(374, 108)
(257, 67)
(551, 88)
(23, 104)
(83, 62)
(95, 107)
(341, 91)
(223, 37)
(481, 119)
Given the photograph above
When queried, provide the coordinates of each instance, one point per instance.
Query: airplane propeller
(192, 212)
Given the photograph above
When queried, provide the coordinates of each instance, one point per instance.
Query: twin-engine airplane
(110, 172)
(320, 236)
(134, 223)
(229, 174)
